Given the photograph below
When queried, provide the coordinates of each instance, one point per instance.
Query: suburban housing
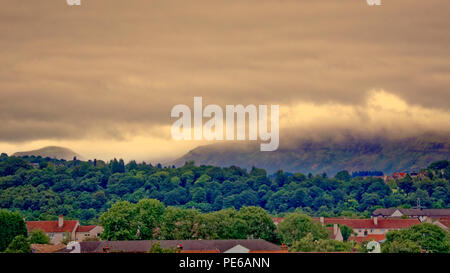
(60, 229)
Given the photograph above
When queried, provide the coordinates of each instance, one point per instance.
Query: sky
(103, 77)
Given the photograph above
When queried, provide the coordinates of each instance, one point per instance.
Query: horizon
(168, 162)
(101, 78)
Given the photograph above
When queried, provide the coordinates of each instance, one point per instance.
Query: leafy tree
(346, 232)
(20, 244)
(259, 223)
(119, 222)
(38, 236)
(11, 226)
(309, 244)
(11, 165)
(407, 185)
(428, 237)
(404, 246)
(148, 217)
(178, 223)
(295, 226)
(343, 175)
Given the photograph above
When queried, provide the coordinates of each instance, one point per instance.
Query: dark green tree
(20, 244)
(428, 237)
(119, 222)
(11, 225)
(38, 236)
(295, 226)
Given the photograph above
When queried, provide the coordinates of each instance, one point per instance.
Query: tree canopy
(11, 226)
(85, 189)
(427, 237)
(149, 219)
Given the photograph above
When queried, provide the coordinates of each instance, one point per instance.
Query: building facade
(61, 230)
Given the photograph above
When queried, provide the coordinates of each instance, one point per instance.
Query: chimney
(335, 229)
(60, 221)
(179, 248)
(322, 221)
(375, 220)
(284, 247)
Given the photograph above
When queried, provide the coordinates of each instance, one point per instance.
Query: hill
(52, 152)
(328, 155)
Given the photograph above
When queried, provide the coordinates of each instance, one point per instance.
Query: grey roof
(413, 212)
(195, 245)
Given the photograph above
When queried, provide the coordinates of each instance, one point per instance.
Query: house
(87, 232)
(399, 175)
(421, 214)
(371, 237)
(443, 222)
(60, 229)
(373, 228)
(184, 246)
(335, 231)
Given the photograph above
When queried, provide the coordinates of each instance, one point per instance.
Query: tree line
(42, 188)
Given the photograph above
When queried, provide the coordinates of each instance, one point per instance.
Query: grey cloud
(114, 68)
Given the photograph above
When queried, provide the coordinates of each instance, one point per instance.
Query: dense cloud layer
(114, 69)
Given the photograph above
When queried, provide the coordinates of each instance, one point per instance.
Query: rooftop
(413, 212)
(205, 246)
(382, 223)
(42, 248)
(52, 226)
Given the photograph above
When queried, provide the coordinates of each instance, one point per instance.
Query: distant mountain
(52, 152)
(330, 156)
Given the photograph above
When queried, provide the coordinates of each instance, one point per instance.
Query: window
(51, 235)
(87, 234)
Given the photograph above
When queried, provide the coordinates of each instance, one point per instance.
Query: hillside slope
(52, 152)
(330, 156)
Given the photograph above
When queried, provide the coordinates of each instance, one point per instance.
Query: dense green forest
(42, 188)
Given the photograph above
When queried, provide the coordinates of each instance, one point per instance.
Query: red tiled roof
(376, 237)
(370, 237)
(384, 223)
(42, 248)
(86, 228)
(401, 174)
(358, 239)
(52, 226)
(445, 221)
